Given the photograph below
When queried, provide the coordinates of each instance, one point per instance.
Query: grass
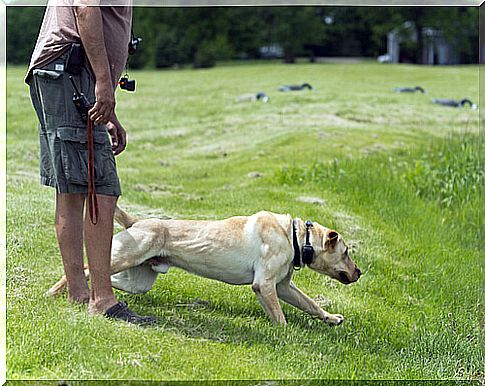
(398, 177)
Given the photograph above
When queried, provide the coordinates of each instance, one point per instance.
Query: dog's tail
(123, 218)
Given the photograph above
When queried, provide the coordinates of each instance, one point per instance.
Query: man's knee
(107, 203)
(68, 204)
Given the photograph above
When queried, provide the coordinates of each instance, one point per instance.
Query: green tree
(293, 27)
(167, 48)
(188, 34)
(23, 24)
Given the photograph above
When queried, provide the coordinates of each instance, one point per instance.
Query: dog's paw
(334, 319)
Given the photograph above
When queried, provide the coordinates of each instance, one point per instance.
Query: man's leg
(69, 231)
(98, 240)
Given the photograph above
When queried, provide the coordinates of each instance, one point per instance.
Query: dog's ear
(331, 241)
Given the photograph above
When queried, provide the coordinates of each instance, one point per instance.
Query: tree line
(201, 36)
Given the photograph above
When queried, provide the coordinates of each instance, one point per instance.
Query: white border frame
(3, 199)
(162, 3)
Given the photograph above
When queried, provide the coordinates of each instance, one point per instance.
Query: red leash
(92, 199)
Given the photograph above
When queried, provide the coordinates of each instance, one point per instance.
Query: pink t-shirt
(59, 30)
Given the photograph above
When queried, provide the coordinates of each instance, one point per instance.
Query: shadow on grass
(236, 324)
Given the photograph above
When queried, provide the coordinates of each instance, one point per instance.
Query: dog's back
(226, 250)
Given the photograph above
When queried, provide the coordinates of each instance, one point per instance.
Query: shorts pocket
(74, 156)
(46, 164)
(50, 86)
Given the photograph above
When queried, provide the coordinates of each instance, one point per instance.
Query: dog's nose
(359, 272)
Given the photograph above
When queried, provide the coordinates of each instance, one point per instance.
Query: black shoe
(120, 311)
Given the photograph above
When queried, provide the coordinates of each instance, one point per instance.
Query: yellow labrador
(262, 250)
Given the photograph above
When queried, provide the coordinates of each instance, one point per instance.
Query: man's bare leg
(98, 248)
(69, 232)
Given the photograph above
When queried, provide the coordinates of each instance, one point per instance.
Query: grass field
(397, 175)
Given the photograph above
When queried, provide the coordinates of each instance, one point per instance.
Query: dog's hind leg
(121, 278)
(135, 245)
(289, 293)
(135, 280)
(57, 288)
(130, 248)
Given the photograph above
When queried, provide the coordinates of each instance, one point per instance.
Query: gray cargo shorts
(63, 133)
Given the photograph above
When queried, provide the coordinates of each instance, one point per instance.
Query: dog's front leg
(266, 293)
(288, 292)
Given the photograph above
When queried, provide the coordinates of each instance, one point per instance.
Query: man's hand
(90, 26)
(103, 110)
(118, 135)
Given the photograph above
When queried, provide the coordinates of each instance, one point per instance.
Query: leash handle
(92, 198)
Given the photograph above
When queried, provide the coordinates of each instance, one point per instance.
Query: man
(104, 33)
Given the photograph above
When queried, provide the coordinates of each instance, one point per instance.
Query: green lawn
(398, 178)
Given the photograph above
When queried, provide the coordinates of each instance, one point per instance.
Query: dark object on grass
(120, 311)
(262, 96)
(296, 87)
(410, 89)
(253, 97)
(454, 103)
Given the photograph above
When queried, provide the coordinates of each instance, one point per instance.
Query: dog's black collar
(307, 248)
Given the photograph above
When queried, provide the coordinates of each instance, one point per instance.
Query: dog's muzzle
(345, 279)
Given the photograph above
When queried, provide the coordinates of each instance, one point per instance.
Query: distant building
(436, 48)
(271, 51)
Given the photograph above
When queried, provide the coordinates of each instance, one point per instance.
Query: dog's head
(331, 255)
